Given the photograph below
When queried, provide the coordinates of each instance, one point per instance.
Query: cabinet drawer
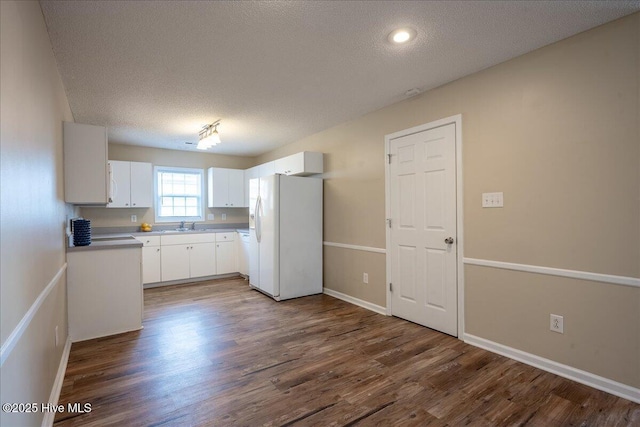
(149, 240)
(225, 237)
(185, 239)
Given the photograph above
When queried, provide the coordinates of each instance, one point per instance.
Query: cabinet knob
(158, 250)
(126, 204)
(134, 204)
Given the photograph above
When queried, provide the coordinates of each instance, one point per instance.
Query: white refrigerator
(285, 227)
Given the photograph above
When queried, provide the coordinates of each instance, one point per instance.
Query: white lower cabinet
(202, 259)
(186, 256)
(175, 262)
(151, 259)
(190, 255)
(226, 259)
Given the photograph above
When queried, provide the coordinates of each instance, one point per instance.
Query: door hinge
(389, 158)
(390, 287)
(389, 222)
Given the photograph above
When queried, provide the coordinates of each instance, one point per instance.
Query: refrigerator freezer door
(269, 221)
(254, 259)
(254, 246)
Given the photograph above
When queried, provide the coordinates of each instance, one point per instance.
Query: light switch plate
(224, 217)
(492, 200)
(210, 217)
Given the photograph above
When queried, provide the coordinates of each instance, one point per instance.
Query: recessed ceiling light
(402, 35)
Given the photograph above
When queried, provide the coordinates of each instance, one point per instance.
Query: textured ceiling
(155, 72)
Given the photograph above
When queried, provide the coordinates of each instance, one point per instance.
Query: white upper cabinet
(86, 177)
(267, 169)
(120, 184)
(225, 188)
(141, 185)
(304, 163)
(131, 184)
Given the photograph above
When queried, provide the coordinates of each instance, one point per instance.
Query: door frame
(457, 121)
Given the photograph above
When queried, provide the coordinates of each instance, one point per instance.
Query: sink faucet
(181, 224)
(193, 225)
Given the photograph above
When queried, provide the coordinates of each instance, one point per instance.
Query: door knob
(448, 240)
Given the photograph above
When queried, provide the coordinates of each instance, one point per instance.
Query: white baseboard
(49, 416)
(356, 301)
(578, 375)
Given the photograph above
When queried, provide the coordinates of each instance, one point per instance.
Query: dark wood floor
(218, 354)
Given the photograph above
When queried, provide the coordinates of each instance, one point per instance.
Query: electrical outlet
(224, 217)
(57, 336)
(365, 277)
(134, 218)
(556, 323)
(210, 217)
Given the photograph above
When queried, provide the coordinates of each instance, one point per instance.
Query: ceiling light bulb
(214, 137)
(402, 35)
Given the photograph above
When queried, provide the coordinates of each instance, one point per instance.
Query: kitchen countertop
(128, 240)
(123, 241)
(173, 232)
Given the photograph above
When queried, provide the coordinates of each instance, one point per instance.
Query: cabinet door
(141, 185)
(289, 165)
(218, 188)
(226, 257)
(86, 178)
(304, 163)
(267, 169)
(175, 262)
(151, 270)
(120, 184)
(236, 188)
(203, 259)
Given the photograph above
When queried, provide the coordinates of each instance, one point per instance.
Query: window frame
(156, 196)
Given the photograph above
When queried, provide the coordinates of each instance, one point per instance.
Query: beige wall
(103, 217)
(32, 211)
(558, 131)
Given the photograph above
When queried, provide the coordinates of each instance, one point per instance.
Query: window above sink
(179, 194)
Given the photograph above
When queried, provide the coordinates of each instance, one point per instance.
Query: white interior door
(422, 186)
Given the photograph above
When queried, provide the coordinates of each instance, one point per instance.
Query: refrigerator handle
(257, 219)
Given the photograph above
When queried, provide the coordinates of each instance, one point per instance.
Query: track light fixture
(208, 136)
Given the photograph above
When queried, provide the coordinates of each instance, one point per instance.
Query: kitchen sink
(188, 230)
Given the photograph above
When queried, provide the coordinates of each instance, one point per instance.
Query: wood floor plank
(217, 353)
